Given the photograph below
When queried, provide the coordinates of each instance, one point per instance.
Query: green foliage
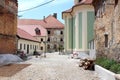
(115, 68)
(108, 64)
(61, 47)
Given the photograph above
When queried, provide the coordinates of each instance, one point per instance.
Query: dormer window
(37, 31)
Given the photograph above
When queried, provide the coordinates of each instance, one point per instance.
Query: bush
(115, 68)
(108, 64)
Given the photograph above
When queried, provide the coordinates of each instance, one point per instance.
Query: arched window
(37, 31)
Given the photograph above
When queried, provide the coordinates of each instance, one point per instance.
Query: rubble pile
(87, 64)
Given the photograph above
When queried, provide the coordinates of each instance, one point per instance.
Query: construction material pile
(87, 64)
(6, 59)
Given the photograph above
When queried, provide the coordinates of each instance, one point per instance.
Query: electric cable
(37, 6)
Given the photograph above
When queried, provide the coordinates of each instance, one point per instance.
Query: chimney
(55, 15)
(44, 18)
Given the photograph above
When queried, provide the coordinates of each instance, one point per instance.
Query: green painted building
(79, 27)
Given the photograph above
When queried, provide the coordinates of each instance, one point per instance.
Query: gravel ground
(53, 67)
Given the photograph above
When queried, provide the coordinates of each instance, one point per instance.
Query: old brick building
(107, 28)
(8, 25)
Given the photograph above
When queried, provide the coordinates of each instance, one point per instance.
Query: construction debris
(87, 64)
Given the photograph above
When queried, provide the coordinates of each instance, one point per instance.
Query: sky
(57, 6)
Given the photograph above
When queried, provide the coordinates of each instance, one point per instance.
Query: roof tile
(23, 34)
(31, 29)
(48, 22)
(80, 3)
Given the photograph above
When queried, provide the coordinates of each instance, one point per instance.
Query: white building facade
(79, 32)
(26, 42)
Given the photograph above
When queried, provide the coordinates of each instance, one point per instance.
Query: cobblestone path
(53, 67)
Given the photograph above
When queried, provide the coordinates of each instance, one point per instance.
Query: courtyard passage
(53, 67)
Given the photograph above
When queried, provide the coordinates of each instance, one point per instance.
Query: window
(33, 46)
(106, 40)
(48, 39)
(79, 0)
(41, 39)
(91, 44)
(55, 39)
(55, 46)
(41, 48)
(20, 46)
(30, 46)
(37, 31)
(61, 39)
(24, 46)
(48, 46)
(48, 32)
(61, 32)
(37, 47)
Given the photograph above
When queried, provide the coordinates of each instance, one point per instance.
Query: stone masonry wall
(103, 26)
(114, 50)
(108, 24)
(8, 26)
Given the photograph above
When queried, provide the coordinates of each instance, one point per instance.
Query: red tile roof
(52, 22)
(48, 22)
(23, 34)
(87, 2)
(28, 22)
(31, 29)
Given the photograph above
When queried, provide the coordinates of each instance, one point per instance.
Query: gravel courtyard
(53, 67)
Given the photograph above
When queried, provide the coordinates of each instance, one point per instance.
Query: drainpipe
(72, 33)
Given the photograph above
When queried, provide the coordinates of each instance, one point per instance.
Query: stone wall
(108, 24)
(114, 50)
(8, 26)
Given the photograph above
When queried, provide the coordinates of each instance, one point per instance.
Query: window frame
(49, 32)
(106, 40)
